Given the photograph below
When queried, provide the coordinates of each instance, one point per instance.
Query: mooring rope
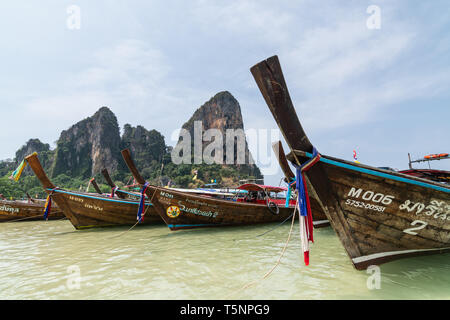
(143, 215)
(278, 225)
(276, 264)
(39, 215)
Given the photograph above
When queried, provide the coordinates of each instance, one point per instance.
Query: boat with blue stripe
(379, 215)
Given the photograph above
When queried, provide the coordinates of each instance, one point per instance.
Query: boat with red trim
(442, 176)
(185, 210)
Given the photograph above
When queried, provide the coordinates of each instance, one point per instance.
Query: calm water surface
(41, 260)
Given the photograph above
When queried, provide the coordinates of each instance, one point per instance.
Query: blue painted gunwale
(97, 198)
(380, 174)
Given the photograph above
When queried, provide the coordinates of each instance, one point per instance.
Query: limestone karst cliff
(223, 113)
(94, 143)
(88, 146)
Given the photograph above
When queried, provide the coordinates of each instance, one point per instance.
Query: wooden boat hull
(25, 211)
(90, 211)
(442, 176)
(320, 220)
(85, 210)
(377, 214)
(382, 216)
(181, 210)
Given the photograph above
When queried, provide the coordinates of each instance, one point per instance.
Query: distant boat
(116, 191)
(26, 210)
(88, 210)
(442, 176)
(379, 215)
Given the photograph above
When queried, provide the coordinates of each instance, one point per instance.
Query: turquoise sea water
(51, 260)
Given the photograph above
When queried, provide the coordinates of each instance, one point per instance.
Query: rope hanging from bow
(48, 204)
(304, 207)
(140, 216)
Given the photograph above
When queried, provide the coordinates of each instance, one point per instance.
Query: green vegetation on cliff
(94, 143)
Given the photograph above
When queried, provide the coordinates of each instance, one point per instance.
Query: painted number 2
(422, 224)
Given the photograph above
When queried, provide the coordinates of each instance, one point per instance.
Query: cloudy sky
(382, 91)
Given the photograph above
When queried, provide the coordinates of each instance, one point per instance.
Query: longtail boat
(442, 176)
(378, 215)
(26, 210)
(87, 210)
(115, 191)
(185, 210)
(95, 185)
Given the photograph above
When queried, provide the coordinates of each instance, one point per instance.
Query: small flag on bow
(354, 156)
(18, 172)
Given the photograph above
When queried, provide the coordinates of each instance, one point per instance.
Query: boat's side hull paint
(23, 211)
(385, 218)
(185, 211)
(378, 215)
(88, 211)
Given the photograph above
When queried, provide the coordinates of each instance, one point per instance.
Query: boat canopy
(259, 187)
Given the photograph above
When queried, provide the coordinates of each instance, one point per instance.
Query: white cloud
(263, 20)
(156, 72)
(131, 77)
(344, 72)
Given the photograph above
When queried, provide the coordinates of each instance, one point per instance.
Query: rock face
(223, 113)
(94, 143)
(46, 155)
(32, 145)
(145, 146)
(89, 146)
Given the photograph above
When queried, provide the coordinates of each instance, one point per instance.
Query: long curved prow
(95, 185)
(36, 166)
(113, 186)
(126, 154)
(30, 199)
(269, 77)
(108, 179)
(281, 157)
(49, 187)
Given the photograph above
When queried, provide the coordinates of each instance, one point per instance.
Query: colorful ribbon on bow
(18, 172)
(140, 216)
(289, 191)
(113, 191)
(48, 204)
(304, 207)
